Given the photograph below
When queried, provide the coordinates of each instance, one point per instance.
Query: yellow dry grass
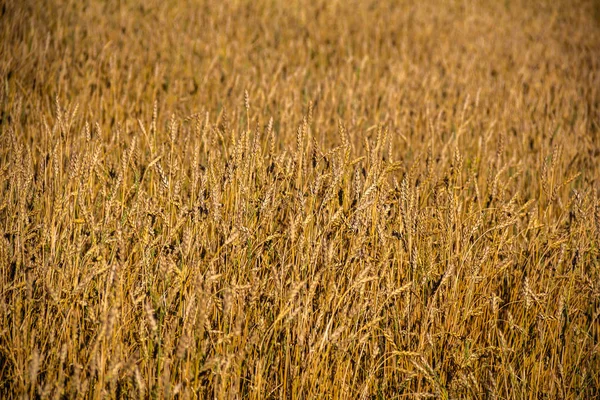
(299, 199)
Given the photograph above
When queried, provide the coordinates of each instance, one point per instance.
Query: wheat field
(300, 199)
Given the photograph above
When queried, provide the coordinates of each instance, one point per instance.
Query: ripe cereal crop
(300, 199)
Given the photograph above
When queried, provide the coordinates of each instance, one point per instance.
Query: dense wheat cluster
(299, 199)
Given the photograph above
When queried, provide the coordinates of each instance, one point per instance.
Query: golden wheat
(361, 199)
